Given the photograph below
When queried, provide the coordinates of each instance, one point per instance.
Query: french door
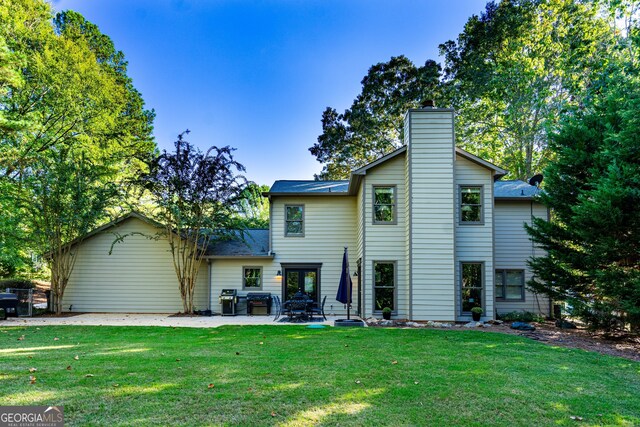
(301, 280)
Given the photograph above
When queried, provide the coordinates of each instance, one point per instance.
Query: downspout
(209, 288)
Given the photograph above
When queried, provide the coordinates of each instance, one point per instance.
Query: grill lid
(8, 296)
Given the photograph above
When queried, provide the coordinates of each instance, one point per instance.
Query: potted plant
(386, 313)
(476, 312)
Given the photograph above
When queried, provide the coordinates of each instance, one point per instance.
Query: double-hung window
(294, 220)
(384, 285)
(471, 204)
(384, 204)
(252, 278)
(509, 285)
(472, 281)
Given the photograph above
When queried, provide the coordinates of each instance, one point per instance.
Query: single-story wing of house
(431, 230)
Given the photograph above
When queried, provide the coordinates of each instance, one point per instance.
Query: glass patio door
(303, 280)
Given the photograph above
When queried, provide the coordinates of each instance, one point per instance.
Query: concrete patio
(133, 319)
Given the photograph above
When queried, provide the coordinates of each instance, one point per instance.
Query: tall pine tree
(593, 190)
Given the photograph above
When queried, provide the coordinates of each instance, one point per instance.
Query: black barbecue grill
(228, 298)
(9, 304)
(260, 301)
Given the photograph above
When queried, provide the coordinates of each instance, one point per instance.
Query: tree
(65, 196)
(593, 189)
(373, 126)
(64, 91)
(196, 195)
(516, 69)
(253, 208)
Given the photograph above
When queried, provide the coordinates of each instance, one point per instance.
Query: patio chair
(279, 308)
(319, 310)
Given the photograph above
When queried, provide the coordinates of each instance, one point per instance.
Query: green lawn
(290, 376)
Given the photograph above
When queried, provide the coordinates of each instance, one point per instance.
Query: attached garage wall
(138, 277)
(513, 248)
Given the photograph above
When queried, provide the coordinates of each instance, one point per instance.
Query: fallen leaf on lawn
(32, 370)
(89, 375)
(76, 357)
(69, 368)
(395, 362)
(211, 385)
(357, 381)
(575, 418)
(32, 379)
(56, 339)
(21, 338)
(416, 382)
(249, 389)
(177, 360)
(30, 357)
(116, 385)
(273, 414)
(261, 343)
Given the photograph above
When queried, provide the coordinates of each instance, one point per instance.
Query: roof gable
(497, 171)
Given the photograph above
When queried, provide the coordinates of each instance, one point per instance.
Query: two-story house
(431, 232)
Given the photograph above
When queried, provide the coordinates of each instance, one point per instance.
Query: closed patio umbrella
(345, 286)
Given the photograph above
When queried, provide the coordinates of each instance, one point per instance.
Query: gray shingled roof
(255, 243)
(515, 189)
(297, 187)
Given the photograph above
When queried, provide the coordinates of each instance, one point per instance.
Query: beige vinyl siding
(138, 277)
(358, 223)
(407, 222)
(386, 242)
(431, 155)
(513, 248)
(330, 225)
(227, 274)
(474, 242)
(360, 280)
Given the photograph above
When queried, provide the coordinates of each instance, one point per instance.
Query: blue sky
(258, 75)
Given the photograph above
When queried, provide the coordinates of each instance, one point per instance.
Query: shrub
(17, 284)
(520, 316)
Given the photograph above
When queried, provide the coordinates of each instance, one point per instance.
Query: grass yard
(293, 376)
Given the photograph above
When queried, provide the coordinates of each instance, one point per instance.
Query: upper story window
(509, 285)
(384, 204)
(252, 278)
(294, 220)
(471, 205)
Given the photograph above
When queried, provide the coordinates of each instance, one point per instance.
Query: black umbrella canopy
(345, 286)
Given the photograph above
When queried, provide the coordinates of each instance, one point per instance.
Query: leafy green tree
(593, 189)
(65, 196)
(373, 126)
(196, 195)
(64, 89)
(515, 69)
(253, 208)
